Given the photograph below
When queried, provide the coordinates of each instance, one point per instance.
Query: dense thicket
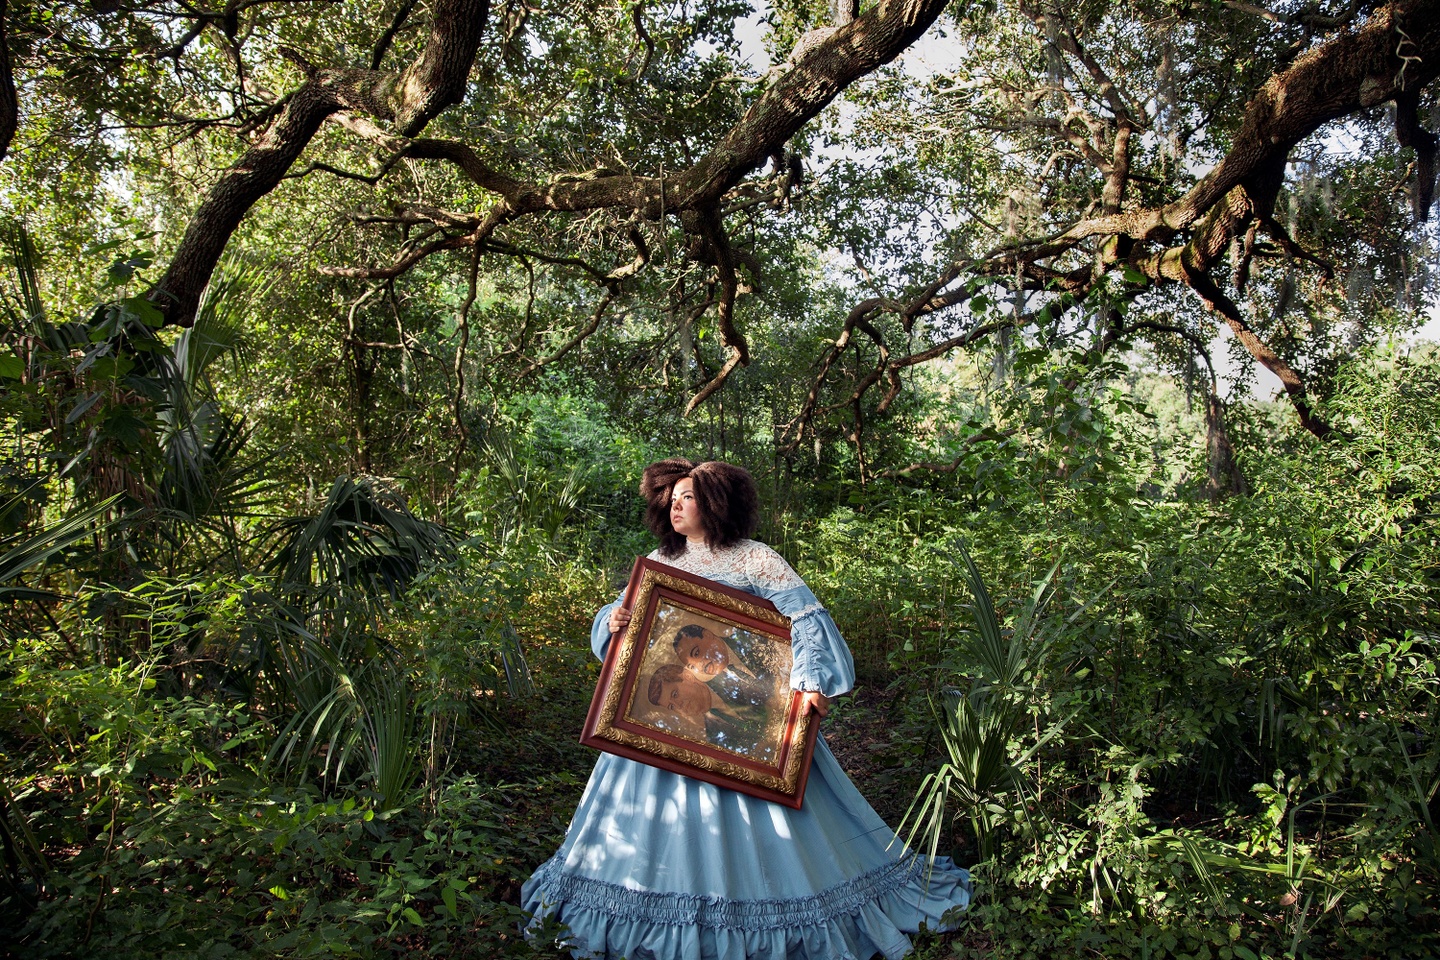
(336, 336)
(1217, 721)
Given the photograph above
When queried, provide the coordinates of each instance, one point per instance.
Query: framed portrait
(699, 684)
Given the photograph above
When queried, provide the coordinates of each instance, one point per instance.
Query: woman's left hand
(619, 620)
(812, 701)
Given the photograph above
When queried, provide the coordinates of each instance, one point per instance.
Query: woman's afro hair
(725, 494)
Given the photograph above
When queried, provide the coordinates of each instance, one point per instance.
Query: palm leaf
(363, 540)
(23, 552)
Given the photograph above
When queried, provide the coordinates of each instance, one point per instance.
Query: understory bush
(1155, 724)
(1229, 746)
(164, 835)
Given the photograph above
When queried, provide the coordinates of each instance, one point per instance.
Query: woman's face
(704, 656)
(684, 511)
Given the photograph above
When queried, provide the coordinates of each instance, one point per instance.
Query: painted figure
(700, 710)
(730, 666)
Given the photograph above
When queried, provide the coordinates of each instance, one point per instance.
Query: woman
(657, 866)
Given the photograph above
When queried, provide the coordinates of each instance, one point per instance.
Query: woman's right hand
(619, 619)
(815, 702)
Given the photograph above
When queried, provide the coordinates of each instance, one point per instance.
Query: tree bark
(9, 101)
(437, 79)
(253, 176)
(1392, 56)
(1224, 478)
(1395, 51)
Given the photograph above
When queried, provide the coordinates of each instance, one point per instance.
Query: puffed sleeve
(600, 629)
(822, 659)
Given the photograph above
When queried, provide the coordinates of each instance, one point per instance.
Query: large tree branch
(1125, 107)
(437, 79)
(1311, 18)
(1396, 51)
(382, 46)
(434, 81)
(852, 51)
(1392, 56)
(825, 69)
(257, 172)
(412, 255)
(1216, 299)
(864, 310)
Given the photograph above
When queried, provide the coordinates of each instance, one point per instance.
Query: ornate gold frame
(608, 726)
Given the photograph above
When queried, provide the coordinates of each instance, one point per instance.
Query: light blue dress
(657, 866)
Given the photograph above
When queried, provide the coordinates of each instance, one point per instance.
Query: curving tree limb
(436, 80)
(1391, 56)
(410, 99)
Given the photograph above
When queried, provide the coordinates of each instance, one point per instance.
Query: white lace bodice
(748, 563)
(822, 661)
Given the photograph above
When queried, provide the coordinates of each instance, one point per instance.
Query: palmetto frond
(27, 551)
(363, 541)
(981, 778)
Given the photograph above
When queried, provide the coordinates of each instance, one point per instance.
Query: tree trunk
(1224, 478)
(435, 80)
(9, 101)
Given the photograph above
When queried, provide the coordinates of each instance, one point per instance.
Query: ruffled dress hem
(864, 916)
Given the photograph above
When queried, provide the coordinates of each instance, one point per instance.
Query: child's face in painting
(686, 697)
(704, 656)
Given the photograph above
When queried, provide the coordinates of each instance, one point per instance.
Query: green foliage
(362, 546)
(1253, 692)
(348, 701)
(22, 553)
(980, 779)
(248, 708)
(154, 796)
(519, 502)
